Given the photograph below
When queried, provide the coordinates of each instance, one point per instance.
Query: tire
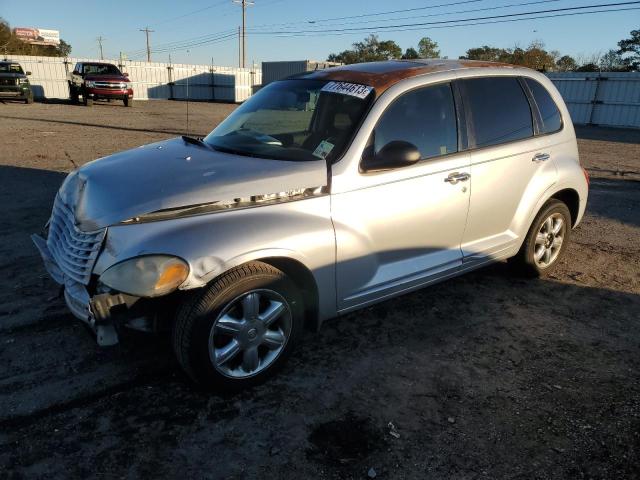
(128, 102)
(73, 95)
(538, 255)
(251, 316)
(28, 100)
(88, 102)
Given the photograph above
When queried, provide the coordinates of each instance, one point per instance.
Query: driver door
(405, 229)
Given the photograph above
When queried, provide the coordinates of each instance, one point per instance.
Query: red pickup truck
(99, 81)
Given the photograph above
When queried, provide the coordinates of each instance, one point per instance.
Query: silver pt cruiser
(323, 193)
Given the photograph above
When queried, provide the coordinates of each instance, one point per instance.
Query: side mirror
(125, 74)
(395, 154)
(28, 73)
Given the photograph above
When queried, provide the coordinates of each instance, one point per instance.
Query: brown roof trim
(382, 75)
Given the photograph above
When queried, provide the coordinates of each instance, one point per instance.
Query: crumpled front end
(69, 256)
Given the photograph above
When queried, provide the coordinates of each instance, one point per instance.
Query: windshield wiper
(232, 151)
(194, 140)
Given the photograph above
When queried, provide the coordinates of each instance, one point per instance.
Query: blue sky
(119, 24)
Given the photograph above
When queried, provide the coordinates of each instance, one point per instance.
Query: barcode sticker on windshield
(344, 88)
(323, 150)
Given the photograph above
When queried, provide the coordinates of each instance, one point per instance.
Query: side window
(497, 110)
(551, 119)
(425, 117)
(78, 68)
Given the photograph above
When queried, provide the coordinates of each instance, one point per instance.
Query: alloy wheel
(250, 333)
(549, 240)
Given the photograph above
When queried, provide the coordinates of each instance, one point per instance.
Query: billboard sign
(38, 36)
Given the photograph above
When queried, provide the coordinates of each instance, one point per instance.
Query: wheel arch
(306, 283)
(571, 199)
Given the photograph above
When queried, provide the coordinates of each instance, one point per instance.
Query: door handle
(456, 177)
(541, 157)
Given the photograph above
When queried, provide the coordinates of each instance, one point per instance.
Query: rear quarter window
(497, 110)
(549, 112)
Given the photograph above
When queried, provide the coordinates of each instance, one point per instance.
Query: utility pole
(147, 32)
(244, 4)
(100, 39)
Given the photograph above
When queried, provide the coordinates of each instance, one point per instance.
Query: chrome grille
(74, 251)
(110, 86)
(8, 81)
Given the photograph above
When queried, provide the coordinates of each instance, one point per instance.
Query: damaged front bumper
(96, 311)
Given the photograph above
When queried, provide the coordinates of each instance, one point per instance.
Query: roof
(382, 75)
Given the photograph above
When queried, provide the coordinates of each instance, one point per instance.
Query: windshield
(10, 68)
(294, 120)
(101, 69)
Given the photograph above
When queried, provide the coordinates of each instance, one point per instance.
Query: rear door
(509, 163)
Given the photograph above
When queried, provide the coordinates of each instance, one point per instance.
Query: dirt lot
(484, 376)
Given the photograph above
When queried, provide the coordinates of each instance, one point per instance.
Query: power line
(440, 14)
(423, 24)
(188, 42)
(317, 33)
(178, 43)
(173, 19)
(363, 15)
(507, 18)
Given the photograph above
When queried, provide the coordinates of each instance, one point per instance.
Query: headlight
(89, 84)
(23, 81)
(147, 276)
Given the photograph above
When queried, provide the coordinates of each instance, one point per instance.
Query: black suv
(14, 83)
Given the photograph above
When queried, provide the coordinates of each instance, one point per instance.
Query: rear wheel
(546, 240)
(73, 94)
(88, 102)
(240, 329)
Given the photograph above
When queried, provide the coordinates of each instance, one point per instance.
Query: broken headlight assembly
(146, 276)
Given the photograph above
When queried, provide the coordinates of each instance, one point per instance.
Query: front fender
(214, 243)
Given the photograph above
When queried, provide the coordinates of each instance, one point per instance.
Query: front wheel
(240, 329)
(128, 102)
(546, 240)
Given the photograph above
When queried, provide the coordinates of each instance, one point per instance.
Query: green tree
(612, 61)
(64, 49)
(428, 48)
(486, 53)
(566, 63)
(588, 67)
(371, 49)
(534, 56)
(410, 53)
(629, 48)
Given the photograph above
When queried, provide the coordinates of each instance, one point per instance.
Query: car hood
(174, 174)
(107, 78)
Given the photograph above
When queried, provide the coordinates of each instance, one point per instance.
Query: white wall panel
(153, 80)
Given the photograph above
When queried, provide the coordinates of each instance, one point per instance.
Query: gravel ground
(483, 376)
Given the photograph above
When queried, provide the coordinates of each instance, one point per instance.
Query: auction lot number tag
(345, 88)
